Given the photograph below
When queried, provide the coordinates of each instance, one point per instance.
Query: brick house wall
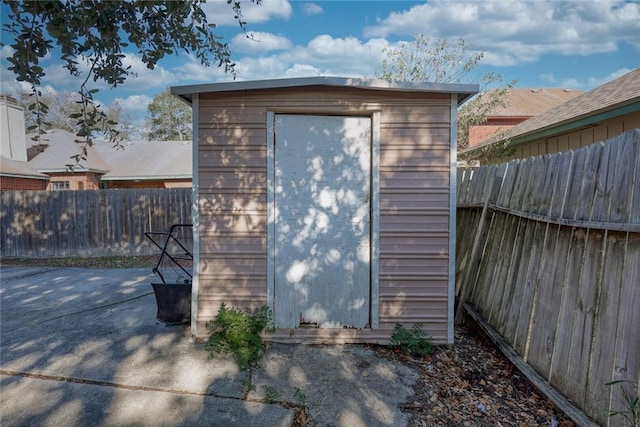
(479, 133)
(177, 183)
(15, 183)
(73, 181)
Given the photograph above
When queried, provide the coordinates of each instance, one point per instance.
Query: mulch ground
(469, 383)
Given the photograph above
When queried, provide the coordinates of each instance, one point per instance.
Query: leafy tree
(61, 105)
(426, 60)
(168, 118)
(90, 36)
(126, 127)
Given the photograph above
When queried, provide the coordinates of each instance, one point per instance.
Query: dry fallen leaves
(472, 384)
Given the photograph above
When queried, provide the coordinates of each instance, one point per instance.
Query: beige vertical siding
(414, 203)
(232, 174)
(414, 215)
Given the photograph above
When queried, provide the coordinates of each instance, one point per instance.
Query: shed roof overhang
(464, 91)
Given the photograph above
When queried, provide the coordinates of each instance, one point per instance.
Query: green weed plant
(413, 342)
(628, 396)
(238, 332)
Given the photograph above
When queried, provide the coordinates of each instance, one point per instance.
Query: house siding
(415, 131)
(572, 140)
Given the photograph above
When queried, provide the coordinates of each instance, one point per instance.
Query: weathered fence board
(627, 350)
(559, 273)
(568, 325)
(515, 281)
(39, 224)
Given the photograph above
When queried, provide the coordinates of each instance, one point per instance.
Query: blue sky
(571, 44)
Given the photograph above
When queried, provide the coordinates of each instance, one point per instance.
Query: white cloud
(323, 55)
(347, 56)
(258, 68)
(192, 71)
(146, 78)
(524, 30)
(311, 9)
(599, 81)
(13, 87)
(520, 33)
(140, 79)
(5, 51)
(586, 84)
(138, 103)
(301, 70)
(220, 13)
(548, 77)
(259, 43)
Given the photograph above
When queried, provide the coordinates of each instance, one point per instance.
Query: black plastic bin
(174, 302)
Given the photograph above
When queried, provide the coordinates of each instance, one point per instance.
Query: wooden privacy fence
(38, 224)
(548, 251)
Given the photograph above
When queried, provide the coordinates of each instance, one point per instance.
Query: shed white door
(322, 200)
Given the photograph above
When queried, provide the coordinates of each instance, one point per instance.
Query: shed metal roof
(464, 91)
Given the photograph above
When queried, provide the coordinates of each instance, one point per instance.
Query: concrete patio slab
(84, 347)
(45, 402)
(343, 385)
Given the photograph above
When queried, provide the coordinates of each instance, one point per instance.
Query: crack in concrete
(101, 383)
(31, 273)
(110, 384)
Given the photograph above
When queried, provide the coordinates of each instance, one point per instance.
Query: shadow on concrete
(83, 347)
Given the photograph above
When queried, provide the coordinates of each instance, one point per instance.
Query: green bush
(238, 332)
(415, 342)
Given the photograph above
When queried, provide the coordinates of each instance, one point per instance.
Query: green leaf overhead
(90, 36)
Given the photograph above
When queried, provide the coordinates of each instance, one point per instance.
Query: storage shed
(330, 200)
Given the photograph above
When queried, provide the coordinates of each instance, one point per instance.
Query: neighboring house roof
(464, 91)
(147, 160)
(19, 169)
(523, 102)
(615, 98)
(55, 153)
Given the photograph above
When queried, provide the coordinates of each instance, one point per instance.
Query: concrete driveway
(83, 347)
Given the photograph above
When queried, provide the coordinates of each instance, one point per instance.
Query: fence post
(470, 275)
